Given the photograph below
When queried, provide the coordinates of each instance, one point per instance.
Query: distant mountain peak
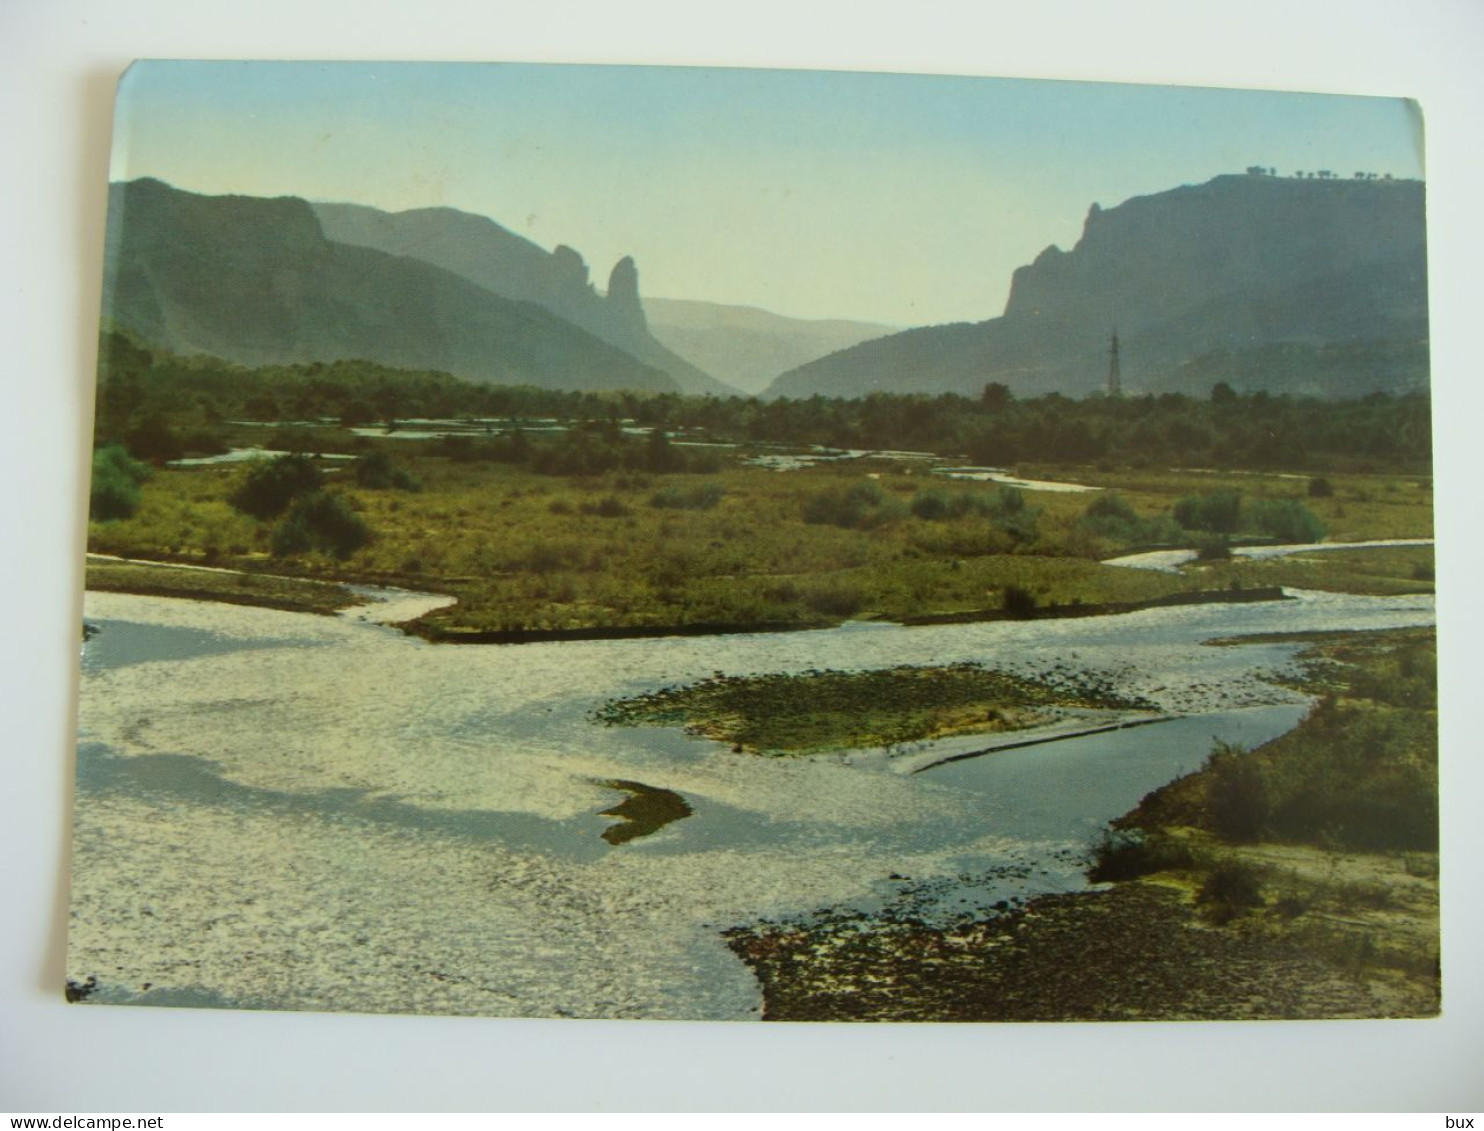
(489, 255)
(623, 294)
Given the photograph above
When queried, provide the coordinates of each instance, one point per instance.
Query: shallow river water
(284, 811)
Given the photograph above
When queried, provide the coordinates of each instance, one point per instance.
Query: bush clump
(1285, 519)
(1110, 505)
(116, 480)
(1237, 797)
(862, 504)
(377, 471)
(154, 440)
(833, 598)
(1127, 854)
(270, 488)
(1216, 512)
(931, 505)
(320, 521)
(1018, 602)
(1110, 516)
(1230, 890)
(1212, 548)
(701, 497)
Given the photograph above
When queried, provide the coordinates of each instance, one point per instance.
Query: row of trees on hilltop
(1320, 174)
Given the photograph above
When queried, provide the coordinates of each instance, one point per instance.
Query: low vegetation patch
(290, 593)
(1378, 571)
(831, 710)
(116, 481)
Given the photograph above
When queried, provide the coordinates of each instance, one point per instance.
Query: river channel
(284, 811)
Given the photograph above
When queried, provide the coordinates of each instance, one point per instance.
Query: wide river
(277, 810)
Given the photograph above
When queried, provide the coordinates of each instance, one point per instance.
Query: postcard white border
(60, 61)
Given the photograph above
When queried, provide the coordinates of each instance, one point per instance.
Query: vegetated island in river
(814, 711)
(1298, 880)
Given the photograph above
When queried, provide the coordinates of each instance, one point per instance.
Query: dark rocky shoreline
(1135, 952)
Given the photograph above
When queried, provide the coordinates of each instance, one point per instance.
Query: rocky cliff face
(623, 297)
(1239, 263)
(483, 252)
(256, 281)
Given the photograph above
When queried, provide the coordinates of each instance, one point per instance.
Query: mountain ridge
(255, 280)
(748, 346)
(488, 254)
(1239, 262)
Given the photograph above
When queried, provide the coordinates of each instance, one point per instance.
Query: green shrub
(833, 598)
(931, 505)
(1230, 890)
(1213, 548)
(154, 440)
(1285, 519)
(1388, 809)
(378, 472)
(1009, 501)
(1018, 602)
(1237, 797)
(269, 488)
(115, 486)
(319, 521)
(1128, 854)
(578, 453)
(203, 442)
(1110, 504)
(659, 455)
(1110, 516)
(862, 504)
(1217, 512)
(994, 447)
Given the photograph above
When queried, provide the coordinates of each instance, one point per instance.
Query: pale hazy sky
(900, 199)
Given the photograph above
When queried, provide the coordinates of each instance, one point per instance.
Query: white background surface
(60, 60)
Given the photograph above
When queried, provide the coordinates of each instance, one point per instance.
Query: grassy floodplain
(739, 545)
(562, 511)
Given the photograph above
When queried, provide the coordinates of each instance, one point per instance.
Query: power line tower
(1115, 382)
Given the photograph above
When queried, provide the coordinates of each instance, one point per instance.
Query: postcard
(682, 543)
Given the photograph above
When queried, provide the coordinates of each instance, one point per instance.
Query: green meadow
(739, 545)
